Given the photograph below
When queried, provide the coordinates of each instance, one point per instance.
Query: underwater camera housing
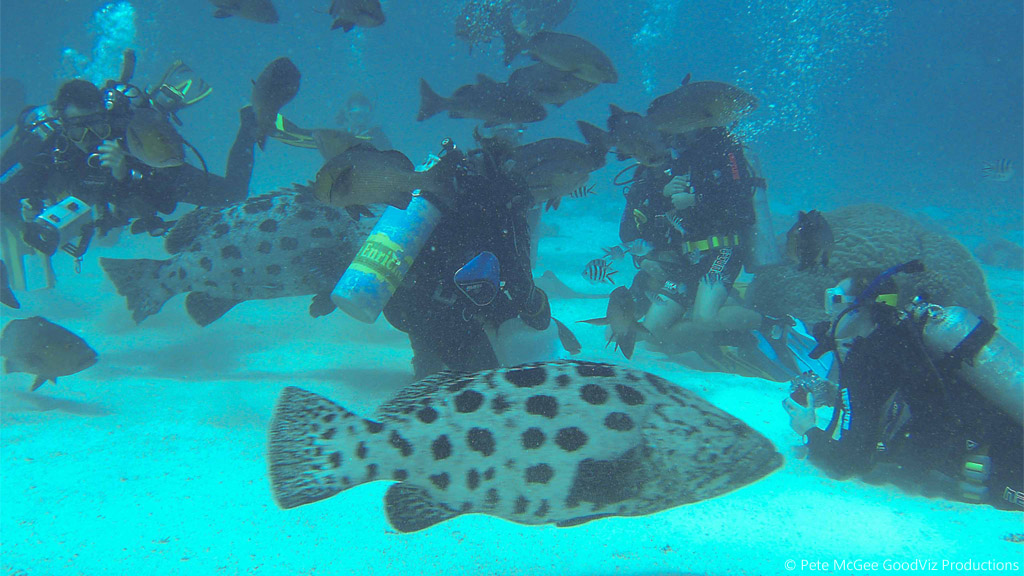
(824, 391)
(59, 226)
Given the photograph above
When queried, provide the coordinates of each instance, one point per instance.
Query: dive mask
(78, 128)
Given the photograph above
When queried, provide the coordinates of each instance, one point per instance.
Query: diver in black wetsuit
(72, 148)
(446, 317)
(696, 217)
(901, 416)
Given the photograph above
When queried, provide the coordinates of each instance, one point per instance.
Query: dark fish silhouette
(621, 318)
(37, 346)
(262, 11)
(493, 102)
(351, 13)
(810, 240)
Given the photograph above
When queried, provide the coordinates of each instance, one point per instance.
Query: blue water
(897, 103)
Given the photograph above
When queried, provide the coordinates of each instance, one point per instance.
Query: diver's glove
(536, 311)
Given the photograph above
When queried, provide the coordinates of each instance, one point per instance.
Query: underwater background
(154, 460)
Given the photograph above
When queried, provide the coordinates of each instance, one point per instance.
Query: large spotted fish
(271, 246)
(561, 442)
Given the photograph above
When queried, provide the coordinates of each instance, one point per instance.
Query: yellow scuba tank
(382, 263)
(958, 338)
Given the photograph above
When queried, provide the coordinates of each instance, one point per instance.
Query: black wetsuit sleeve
(24, 146)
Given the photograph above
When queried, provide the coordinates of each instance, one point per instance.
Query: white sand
(173, 480)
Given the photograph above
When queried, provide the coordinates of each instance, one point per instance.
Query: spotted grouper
(562, 442)
(276, 245)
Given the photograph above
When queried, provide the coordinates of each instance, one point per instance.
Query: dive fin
(205, 309)
(410, 508)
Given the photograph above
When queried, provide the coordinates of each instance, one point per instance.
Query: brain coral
(874, 236)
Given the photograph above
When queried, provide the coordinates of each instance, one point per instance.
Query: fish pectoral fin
(222, 14)
(205, 309)
(356, 211)
(343, 24)
(410, 508)
(39, 381)
(322, 305)
(596, 321)
(581, 520)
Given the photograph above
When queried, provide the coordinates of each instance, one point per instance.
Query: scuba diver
(474, 272)
(696, 215)
(357, 118)
(75, 175)
(927, 397)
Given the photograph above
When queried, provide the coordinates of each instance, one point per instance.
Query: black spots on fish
(269, 225)
(459, 385)
(468, 401)
(542, 405)
(335, 459)
(594, 394)
(229, 252)
(373, 427)
(631, 376)
(543, 509)
(346, 481)
(466, 507)
(258, 204)
(510, 464)
(264, 247)
(221, 229)
(399, 475)
(329, 214)
(570, 439)
(533, 438)
(362, 451)
(489, 474)
(441, 447)
(182, 274)
(195, 247)
(527, 377)
(426, 414)
(238, 272)
(320, 232)
(306, 213)
(480, 440)
(289, 243)
(210, 283)
(500, 404)
(472, 479)
(619, 421)
(401, 444)
(563, 380)
(660, 384)
(589, 369)
(539, 474)
(274, 269)
(330, 433)
(629, 395)
(440, 480)
(605, 482)
(330, 417)
(492, 498)
(371, 472)
(521, 504)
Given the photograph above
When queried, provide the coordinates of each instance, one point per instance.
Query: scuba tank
(958, 339)
(382, 263)
(764, 251)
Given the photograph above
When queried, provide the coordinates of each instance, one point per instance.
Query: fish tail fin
(431, 102)
(597, 139)
(626, 343)
(312, 449)
(135, 280)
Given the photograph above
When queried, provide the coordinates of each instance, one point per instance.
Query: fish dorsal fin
(415, 393)
(616, 111)
(188, 228)
(410, 509)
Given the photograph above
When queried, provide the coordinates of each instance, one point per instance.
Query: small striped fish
(599, 271)
(583, 191)
(1000, 171)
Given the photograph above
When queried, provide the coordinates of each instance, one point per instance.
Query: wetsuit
(900, 414)
(51, 167)
(723, 184)
(445, 328)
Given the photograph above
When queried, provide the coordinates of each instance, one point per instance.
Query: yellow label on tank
(383, 259)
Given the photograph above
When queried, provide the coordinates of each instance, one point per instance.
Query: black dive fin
(205, 309)
(411, 509)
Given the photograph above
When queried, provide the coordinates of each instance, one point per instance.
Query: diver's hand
(677, 185)
(683, 200)
(113, 156)
(801, 418)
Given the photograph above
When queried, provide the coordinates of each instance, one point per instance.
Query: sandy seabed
(154, 461)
